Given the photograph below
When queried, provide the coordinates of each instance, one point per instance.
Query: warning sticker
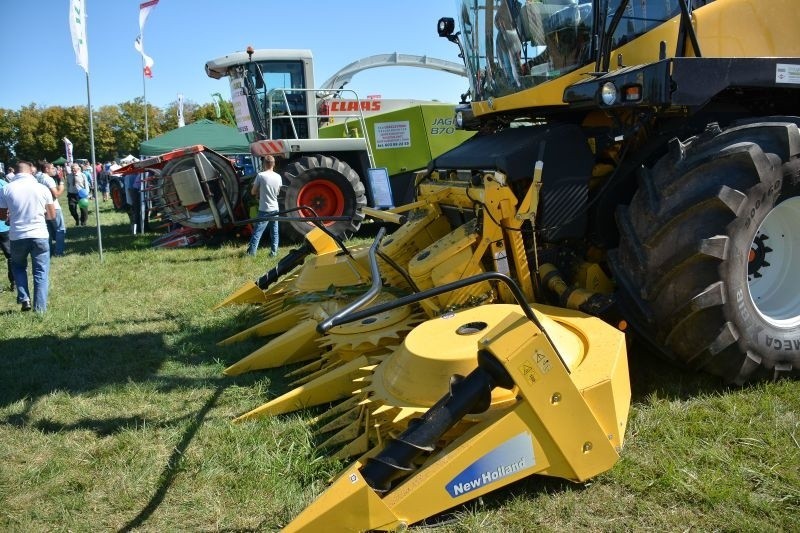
(392, 134)
(526, 369)
(543, 362)
(787, 73)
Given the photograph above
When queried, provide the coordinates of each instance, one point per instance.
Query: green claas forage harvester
(336, 153)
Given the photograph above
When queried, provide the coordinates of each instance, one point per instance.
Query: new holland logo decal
(512, 456)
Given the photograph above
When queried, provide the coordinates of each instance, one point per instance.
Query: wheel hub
(773, 261)
(757, 259)
(323, 196)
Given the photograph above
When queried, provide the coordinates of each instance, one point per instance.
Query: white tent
(127, 159)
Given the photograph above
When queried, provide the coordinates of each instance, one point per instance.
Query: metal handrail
(281, 94)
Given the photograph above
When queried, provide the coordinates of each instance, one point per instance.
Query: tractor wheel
(710, 250)
(330, 187)
(117, 189)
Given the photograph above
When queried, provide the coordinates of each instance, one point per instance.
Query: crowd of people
(32, 222)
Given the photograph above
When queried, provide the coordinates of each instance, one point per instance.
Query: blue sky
(38, 62)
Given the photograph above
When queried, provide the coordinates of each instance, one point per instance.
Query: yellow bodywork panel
(340, 271)
(748, 28)
(297, 344)
(321, 241)
(448, 259)
(724, 28)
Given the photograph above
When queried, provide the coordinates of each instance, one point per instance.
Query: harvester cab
(269, 92)
(636, 167)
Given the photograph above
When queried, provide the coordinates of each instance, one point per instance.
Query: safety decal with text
(512, 456)
(787, 73)
(393, 134)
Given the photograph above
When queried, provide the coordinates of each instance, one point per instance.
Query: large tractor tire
(117, 188)
(330, 187)
(710, 252)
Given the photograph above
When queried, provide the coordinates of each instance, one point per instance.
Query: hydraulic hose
(365, 298)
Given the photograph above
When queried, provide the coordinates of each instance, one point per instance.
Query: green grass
(114, 415)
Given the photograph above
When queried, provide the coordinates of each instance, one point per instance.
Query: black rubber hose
(286, 264)
(365, 298)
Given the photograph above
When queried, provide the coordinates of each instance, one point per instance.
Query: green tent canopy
(60, 161)
(223, 139)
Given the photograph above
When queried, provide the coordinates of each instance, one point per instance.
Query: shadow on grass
(34, 368)
(172, 466)
(38, 366)
(115, 238)
(651, 375)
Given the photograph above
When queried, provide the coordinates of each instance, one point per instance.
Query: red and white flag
(144, 12)
(148, 61)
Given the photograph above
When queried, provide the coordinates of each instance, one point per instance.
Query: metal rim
(773, 262)
(323, 196)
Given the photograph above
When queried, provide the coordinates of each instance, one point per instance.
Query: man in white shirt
(266, 187)
(28, 204)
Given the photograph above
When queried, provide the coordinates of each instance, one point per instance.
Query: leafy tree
(209, 111)
(170, 116)
(107, 127)
(9, 133)
(155, 117)
(75, 127)
(28, 121)
(131, 120)
(35, 132)
(51, 145)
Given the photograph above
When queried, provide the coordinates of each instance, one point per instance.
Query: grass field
(114, 415)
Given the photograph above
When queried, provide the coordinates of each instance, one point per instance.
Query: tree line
(34, 133)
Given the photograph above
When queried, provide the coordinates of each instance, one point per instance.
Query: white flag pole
(144, 11)
(94, 171)
(144, 95)
(77, 27)
(146, 138)
(147, 64)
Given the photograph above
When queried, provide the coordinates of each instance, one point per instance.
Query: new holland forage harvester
(480, 341)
